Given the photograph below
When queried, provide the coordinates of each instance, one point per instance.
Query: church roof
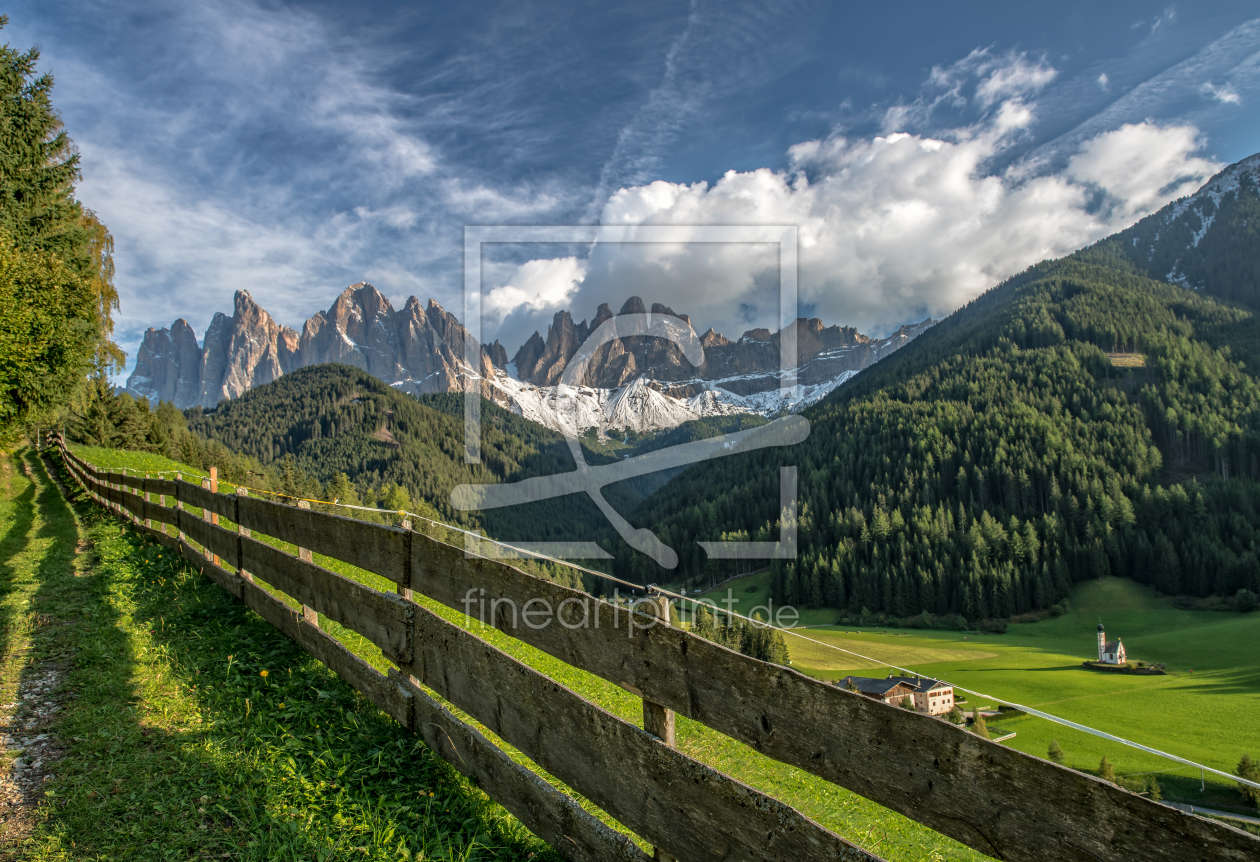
(1112, 646)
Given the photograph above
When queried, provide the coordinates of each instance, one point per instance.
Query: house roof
(877, 687)
(922, 683)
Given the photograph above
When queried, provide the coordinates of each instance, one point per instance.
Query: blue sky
(925, 150)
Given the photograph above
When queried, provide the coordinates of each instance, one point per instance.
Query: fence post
(179, 505)
(148, 522)
(241, 533)
(206, 515)
(657, 720)
(308, 613)
(404, 589)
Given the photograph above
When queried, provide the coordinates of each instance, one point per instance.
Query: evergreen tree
(1055, 753)
(978, 727)
(1250, 770)
(56, 258)
(1106, 771)
(956, 715)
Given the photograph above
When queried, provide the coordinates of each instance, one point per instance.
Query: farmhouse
(930, 696)
(1109, 652)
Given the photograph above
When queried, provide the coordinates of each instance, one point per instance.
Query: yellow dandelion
(280, 706)
(263, 674)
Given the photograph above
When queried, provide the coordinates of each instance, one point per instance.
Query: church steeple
(1102, 642)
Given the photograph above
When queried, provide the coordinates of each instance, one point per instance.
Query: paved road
(1197, 809)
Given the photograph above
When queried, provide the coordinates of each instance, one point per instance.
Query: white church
(1109, 652)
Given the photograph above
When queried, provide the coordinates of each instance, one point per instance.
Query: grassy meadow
(1205, 709)
(865, 823)
(1037, 664)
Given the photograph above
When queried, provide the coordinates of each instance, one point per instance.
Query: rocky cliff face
(746, 366)
(637, 382)
(419, 350)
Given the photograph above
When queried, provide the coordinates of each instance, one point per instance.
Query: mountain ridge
(639, 383)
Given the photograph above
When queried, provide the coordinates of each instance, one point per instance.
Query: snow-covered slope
(642, 407)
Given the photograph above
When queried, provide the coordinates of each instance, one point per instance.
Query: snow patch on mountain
(640, 407)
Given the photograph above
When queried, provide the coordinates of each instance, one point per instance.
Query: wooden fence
(997, 800)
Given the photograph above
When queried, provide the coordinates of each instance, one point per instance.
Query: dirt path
(31, 677)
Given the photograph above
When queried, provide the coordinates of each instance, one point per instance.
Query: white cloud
(892, 228)
(1224, 93)
(537, 286)
(1016, 77)
(1141, 167)
(1103, 81)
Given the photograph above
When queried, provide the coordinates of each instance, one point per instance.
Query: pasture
(1205, 708)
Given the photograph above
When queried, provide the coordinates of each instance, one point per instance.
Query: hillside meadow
(1204, 709)
(866, 823)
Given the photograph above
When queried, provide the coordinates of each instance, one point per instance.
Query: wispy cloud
(1223, 93)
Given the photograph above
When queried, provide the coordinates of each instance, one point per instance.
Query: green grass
(176, 744)
(1204, 710)
(1207, 715)
(890, 835)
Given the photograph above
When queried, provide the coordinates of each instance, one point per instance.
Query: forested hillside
(335, 419)
(1005, 455)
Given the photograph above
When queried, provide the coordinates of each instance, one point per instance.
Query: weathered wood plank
(127, 481)
(195, 495)
(374, 547)
(133, 503)
(393, 699)
(211, 537)
(971, 789)
(682, 806)
(382, 618)
(545, 811)
(230, 582)
(161, 514)
(160, 486)
(270, 609)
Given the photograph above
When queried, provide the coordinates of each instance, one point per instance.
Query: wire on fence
(650, 589)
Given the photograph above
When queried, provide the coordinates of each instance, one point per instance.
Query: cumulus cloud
(892, 228)
(1141, 167)
(537, 286)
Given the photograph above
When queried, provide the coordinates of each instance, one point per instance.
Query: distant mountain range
(638, 383)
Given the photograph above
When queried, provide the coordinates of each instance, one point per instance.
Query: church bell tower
(1102, 642)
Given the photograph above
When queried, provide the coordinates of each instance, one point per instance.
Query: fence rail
(999, 801)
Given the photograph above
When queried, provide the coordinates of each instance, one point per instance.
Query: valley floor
(1204, 709)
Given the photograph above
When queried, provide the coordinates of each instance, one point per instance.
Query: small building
(890, 691)
(1110, 652)
(930, 696)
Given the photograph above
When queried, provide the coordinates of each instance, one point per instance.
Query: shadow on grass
(200, 731)
(17, 539)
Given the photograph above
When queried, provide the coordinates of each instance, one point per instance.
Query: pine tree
(1250, 770)
(978, 727)
(56, 258)
(1055, 754)
(1106, 771)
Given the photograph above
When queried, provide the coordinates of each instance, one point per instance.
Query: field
(994, 664)
(1205, 708)
(490, 833)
